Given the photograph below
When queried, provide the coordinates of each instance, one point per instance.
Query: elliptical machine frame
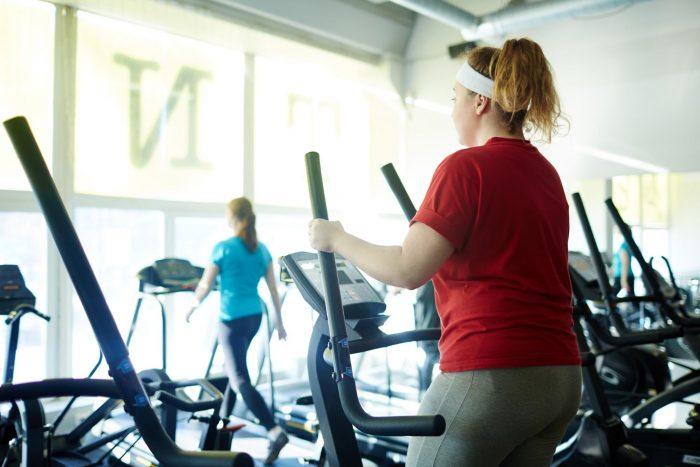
(663, 447)
(125, 383)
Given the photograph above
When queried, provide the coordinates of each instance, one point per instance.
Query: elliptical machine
(125, 384)
(662, 446)
(350, 313)
(595, 430)
(629, 374)
(425, 310)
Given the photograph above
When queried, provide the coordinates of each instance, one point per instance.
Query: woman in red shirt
(492, 233)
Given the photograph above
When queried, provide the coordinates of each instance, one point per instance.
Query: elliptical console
(360, 299)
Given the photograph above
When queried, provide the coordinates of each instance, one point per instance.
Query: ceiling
(628, 79)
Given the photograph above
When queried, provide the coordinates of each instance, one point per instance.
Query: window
(23, 242)
(26, 80)
(119, 243)
(655, 200)
(159, 119)
(643, 202)
(310, 110)
(593, 193)
(190, 344)
(284, 234)
(158, 115)
(656, 244)
(627, 197)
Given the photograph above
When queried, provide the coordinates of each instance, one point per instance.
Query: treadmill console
(170, 275)
(13, 291)
(360, 299)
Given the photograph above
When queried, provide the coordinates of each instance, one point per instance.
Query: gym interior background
(152, 113)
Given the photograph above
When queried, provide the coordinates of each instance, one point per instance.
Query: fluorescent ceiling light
(620, 159)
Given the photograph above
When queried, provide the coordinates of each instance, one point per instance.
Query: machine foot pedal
(305, 400)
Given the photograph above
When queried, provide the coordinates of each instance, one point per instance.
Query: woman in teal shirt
(241, 261)
(622, 270)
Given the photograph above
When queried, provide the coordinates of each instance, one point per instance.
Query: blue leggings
(235, 337)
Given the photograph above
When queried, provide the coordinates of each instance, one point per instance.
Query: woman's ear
(482, 104)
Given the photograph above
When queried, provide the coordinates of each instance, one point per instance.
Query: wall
(627, 82)
(593, 193)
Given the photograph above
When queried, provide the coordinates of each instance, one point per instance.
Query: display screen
(344, 279)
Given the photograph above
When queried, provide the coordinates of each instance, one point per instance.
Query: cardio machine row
(126, 384)
(359, 330)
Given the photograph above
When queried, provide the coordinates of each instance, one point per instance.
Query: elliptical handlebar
(388, 340)
(86, 387)
(98, 313)
(596, 258)
(182, 403)
(429, 425)
(399, 190)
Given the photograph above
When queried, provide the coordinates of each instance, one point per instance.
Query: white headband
(474, 81)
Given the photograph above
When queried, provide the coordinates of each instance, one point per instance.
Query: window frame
(59, 355)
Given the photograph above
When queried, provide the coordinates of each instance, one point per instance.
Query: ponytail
(523, 86)
(249, 235)
(242, 209)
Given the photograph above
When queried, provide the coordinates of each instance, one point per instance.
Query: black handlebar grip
(319, 208)
(399, 190)
(601, 273)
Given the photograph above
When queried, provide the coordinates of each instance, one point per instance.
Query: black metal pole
(397, 187)
(134, 319)
(331, 291)
(596, 257)
(11, 355)
(79, 269)
(164, 335)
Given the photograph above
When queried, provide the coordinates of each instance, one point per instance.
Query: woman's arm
(408, 266)
(272, 285)
(203, 288)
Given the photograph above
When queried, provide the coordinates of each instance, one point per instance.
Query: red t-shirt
(504, 295)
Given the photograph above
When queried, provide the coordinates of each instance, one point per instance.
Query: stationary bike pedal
(309, 461)
(305, 400)
(199, 418)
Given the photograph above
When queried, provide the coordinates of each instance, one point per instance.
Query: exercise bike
(16, 301)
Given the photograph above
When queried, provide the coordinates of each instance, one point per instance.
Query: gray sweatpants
(501, 417)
